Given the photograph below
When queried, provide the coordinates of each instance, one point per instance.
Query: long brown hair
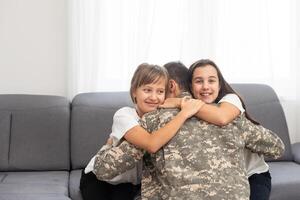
(225, 88)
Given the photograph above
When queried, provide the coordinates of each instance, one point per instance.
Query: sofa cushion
(46, 183)
(39, 140)
(74, 191)
(91, 122)
(5, 120)
(39, 132)
(33, 197)
(285, 180)
(263, 105)
(2, 176)
(296, 152)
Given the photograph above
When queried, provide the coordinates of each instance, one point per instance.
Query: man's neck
(183, 94)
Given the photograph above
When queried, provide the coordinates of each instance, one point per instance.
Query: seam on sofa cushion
(9, 140)
(36, 109)
(2, 179)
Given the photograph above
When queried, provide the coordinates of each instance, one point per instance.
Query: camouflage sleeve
(150, 121)
(113, 161)
(261, 140)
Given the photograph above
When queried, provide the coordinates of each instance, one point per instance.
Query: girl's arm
(153, 142)
(219, 114)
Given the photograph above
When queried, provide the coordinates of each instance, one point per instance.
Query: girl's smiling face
(149, 96)
(205, 83)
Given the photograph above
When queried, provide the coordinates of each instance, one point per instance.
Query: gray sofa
(45, 141)
(34, 147)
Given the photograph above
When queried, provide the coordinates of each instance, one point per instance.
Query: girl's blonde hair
(147, 74)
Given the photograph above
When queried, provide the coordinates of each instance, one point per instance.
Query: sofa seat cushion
(75, 176)
(49, 184)
(32, 197)
(285, 180)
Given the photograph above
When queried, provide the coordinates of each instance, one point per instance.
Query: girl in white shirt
(209, 85)
(147, 91)
(223, 105)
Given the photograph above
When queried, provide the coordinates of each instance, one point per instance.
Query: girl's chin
(206, 100)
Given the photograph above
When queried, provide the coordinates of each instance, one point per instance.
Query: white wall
(33, 47)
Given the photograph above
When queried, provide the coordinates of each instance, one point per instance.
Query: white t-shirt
(255, 164)
(123, 120)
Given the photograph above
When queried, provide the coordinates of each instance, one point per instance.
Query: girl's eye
(211, 80)
(147, 90)
(161, 91)
(198, 81)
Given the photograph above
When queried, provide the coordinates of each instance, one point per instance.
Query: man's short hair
(178, 72)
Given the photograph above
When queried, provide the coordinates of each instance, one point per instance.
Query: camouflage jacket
(202, 161)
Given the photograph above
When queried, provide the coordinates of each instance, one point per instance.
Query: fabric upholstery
(285, 180)
(296, 152)
(263, 105)
(91, 123)
(34, 184)
(39, 132)
(74, 185)
(5, 120)
(32, 197)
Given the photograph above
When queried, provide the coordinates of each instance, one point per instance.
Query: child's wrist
(178, 103)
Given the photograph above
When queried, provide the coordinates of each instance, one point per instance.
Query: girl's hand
(171, 103)
(190, 106)
(109, 141)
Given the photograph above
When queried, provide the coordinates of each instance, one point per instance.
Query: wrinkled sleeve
(261, 140)
(150, 121)
(113, 161)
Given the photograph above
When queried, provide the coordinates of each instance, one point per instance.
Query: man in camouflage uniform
(202, 161)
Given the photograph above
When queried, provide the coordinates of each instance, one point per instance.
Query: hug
(188, 136)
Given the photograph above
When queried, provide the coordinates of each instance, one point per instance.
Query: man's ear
(172, 86)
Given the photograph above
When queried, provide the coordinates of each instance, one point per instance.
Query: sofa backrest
(263, 105)
(91, 122)
(34, 133)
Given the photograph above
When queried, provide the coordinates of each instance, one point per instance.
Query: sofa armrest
(296, 151)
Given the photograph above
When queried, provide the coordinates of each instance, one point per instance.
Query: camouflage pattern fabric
(113, 161)
(204, 161)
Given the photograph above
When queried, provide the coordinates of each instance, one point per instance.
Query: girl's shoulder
(230, 97)
(233, 99)
(124, 119)
(126, 111)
